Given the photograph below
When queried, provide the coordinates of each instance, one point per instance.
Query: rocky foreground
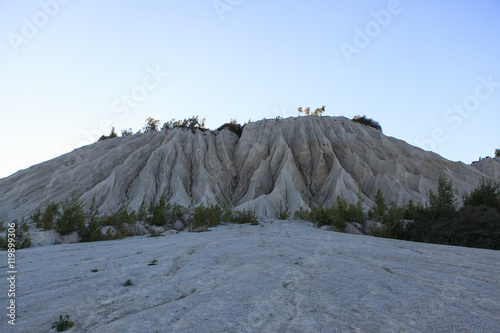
(279, 276)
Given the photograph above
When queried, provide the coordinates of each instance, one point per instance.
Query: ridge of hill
(295, 162)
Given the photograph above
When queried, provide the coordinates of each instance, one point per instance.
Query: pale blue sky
(62, 84)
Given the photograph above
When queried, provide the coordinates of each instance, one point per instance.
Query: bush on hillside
(205, 217)
(486, 193)
(233, 126)
(158, 211)
(244, 216)
(367, 121)
(336, 216)
(283, 213)
(193, 123)
(443, 204)
(377, 212)
(318, 112)
(71, 218)
(497, 152)
(110, 136)
(21, 239)
(152, 125)
(46, 218)
(473, 226)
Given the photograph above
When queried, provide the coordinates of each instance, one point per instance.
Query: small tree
(152, 125)
(110, 136)
(317, 112)
(159, 211)
(367, 121)
(444, 203)
(233, 126)
(71, 218)
(486, 193)
(378, 211)
(497, 153)
(127, 132)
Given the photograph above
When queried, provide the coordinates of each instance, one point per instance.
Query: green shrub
(355, 212)
(477, 226)
(394, 214)
(63, 324)
(393, 229)
(177, 211)
(497, 152)
(22, 238)
(472, 226)
(46, 219)
(412, 210)
(142, 214)
(71, 218)
(245, 216)
(444, 204)
(227, 214)
(302, 213)
(110, 136)
(128, 283)
(159, 211)
(378, 210)
(283, 212)
(321, 216)
(367, 122)
(205, 217)
(486, 193)
(92, 231)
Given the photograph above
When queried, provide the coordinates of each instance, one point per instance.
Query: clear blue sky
(69, 70)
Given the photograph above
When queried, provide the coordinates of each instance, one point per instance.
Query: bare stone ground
(277, 277)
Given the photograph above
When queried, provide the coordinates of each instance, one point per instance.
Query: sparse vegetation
(337, 215)
(46, 219)
(283, 213)
(21, 239)
(95, 270)
(367, 121)
(497, 152)
(152, 125)
(128, 283)
(307, 111)
(193, 123)
(63, 324)
(378, 211)
(244, 216)
(233, 126)
(205, 217)
(487, 193)
(476, 224)
(154, 262)
(71, 218)
(110, 136)
(158, 211)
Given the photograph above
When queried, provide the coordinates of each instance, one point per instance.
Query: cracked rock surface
(279, 276)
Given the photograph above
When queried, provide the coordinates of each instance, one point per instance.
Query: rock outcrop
(290, 162)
